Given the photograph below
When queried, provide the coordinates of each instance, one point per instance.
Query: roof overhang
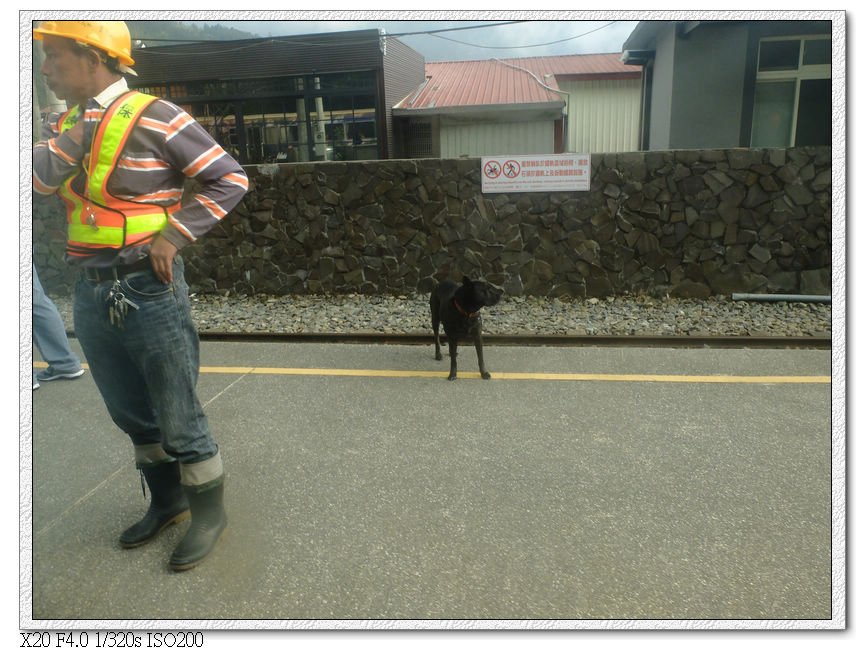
(646, 32)
(644, 35)
(614, 76)
(554, 109)
(637, 57)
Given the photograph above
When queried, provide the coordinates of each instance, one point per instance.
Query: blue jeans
(49, 332)
(147, 370)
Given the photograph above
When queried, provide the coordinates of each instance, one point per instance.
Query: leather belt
(104, 274)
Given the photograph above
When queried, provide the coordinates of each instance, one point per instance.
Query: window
(773, 113)
(419, 138)
(286, 119)
(793, 95)
(293, 129)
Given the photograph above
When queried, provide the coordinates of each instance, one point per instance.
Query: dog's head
(474, 294)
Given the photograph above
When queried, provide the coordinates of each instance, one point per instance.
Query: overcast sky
(491, 39)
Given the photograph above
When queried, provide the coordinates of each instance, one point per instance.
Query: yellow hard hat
(111, 36)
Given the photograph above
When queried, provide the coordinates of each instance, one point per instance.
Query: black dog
(458, 308)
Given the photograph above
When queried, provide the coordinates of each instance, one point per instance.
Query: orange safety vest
(97, 220)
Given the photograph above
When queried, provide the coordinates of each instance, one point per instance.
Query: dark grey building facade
(721, 84)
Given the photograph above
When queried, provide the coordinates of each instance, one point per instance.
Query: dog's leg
(435, 325)
(452, 349)
(479, 348)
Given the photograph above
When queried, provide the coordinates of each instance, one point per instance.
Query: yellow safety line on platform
(542, 376)
(535, 376)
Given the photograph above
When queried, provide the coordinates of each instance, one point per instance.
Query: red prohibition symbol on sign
(492, 169)
(511, 169)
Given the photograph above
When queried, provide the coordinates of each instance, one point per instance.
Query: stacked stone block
(682, 223)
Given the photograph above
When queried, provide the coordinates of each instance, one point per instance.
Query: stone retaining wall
(684, 223)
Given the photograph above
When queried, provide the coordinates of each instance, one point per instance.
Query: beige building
(542, 105)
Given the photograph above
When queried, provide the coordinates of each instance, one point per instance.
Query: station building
(289, 98)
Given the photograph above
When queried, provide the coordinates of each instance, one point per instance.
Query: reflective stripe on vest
(99, 220)
(70, 199)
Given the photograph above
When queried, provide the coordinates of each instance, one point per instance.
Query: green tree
(152, 33)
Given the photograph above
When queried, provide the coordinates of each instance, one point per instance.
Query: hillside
(153, 33)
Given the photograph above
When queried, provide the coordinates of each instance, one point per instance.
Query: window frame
(802, 73)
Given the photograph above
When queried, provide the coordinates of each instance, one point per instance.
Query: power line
(314, 43)
(456, 29)
(519, 47)
(431, 32)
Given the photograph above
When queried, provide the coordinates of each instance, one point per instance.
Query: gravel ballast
(352, 314)
(612, 316)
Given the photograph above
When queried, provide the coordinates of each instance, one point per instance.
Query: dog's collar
(473, 314)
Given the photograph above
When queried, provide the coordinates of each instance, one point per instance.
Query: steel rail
(819, 342)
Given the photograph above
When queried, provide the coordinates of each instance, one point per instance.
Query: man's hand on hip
(162, 254)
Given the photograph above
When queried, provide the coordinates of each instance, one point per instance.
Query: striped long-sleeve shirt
(165, 148)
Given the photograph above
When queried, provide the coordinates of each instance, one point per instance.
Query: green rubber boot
(208, 522)
(168, 504)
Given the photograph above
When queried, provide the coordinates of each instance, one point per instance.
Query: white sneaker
(49, 374)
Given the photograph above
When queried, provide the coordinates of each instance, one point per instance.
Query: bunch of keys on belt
(118, 304)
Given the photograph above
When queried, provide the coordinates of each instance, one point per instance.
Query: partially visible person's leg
(49, 334)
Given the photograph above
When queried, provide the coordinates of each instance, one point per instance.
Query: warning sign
(512, 169)
(546, 173)
(492, 169)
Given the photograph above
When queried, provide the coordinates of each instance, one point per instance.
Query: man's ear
(94, 59)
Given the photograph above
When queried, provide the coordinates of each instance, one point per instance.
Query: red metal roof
(495, 82)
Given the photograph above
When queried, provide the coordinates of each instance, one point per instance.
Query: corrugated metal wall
(603, 115)
(403, 73)
(494, 138)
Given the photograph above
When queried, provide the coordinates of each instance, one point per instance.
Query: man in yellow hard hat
(119, 160)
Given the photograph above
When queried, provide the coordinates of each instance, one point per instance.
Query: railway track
(822, 342)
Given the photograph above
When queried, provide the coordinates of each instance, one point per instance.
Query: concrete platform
(606, 493)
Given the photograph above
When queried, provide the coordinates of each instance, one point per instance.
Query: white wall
(494, 138)
(603, 115)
